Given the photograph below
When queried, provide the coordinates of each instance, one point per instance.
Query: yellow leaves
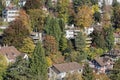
(95, 8)
(106, 20)
(84, 17)
(63, 9)
(3, 61)
(49, 61)
(25, 19)
(28, 46)
(37, 18)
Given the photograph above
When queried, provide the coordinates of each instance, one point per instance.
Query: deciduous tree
(3, 66)
(28, 46)
(33, 4)
(15, 34)
(50, 45)
(62, 8)
(84, 17)
(37, 18)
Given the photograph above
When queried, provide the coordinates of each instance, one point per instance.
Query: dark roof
(115, 52)
(66, 67)
(102, 61)
(11, 52)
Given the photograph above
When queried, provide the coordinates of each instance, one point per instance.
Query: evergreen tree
(115, 73)
(38, 64)
(63, 43)
(80, 42)
(116, 15)
(19, 70)
(94, 2)
(97, 16)
(1, 8)
(109, 38)
(48, 3)
(87, 73)
(52, 28)
(62, 25)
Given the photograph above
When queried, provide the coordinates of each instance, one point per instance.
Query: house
(60, 71)
(10, 14)
(88, 30)
(36, 36)
(71, 32)
(114, 54)
(7, 2)
(102, 64)
(107, 2)
(21, 3)
(10, 52)
(117, 38)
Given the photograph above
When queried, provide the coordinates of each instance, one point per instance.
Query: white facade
(21, 3)
(108, 2)
(7, 2)
(117, 38)
(60, 76)
(71, 31)
(36, 37)
(89, 30)
(10, 14)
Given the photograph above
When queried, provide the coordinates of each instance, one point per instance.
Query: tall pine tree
(38, 63)
(80, 42)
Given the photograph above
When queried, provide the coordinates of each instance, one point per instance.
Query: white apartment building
(7, 2)
(21, 3)
(71, 31)
(10, 14)
(108, 2)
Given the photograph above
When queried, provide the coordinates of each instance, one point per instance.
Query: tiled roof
(117, 35)
(66, 67)
(102, 61)
(11, 52)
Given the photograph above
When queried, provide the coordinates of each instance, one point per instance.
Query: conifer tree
(63, 43)
(80, 42)
(52, 28)
(19, 70)
(87, 73)
(38, 63)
